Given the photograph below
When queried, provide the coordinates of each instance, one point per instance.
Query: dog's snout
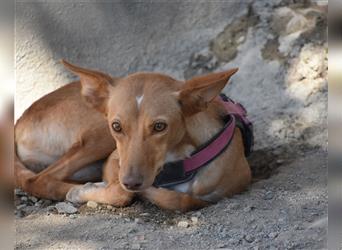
(132, 182)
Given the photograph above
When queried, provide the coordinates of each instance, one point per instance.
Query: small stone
(51, 208)
(234, 206)
(198, 214)
(137, 220)
(132, 230)
(19, 192)
(241, 39)
(65, 208)
(247, 209)
(19, 214)
(221, 245)
(269, 195)
(92, 204)
(145, 214)
(183, 224)
(46, 203)
(135, 246)
(280, 161)
(272, 235)
(249, 238)
(33, 199)
(21, 206)
(194, 220)
(110, 207)
(23, 198)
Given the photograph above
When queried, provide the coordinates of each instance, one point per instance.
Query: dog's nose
(132, 183)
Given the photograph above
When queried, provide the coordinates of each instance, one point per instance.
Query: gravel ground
(286, 211)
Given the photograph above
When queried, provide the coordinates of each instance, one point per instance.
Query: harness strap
(213, 149)
(181, 171)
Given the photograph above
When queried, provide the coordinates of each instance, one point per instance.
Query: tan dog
(153, 119)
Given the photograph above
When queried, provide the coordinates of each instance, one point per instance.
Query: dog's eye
(117, 127)
(159, 126)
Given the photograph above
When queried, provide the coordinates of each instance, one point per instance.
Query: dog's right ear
(95, 86)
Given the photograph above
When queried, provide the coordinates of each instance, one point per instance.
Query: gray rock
(249, 238)
(183, 224)
(33, 199)
(268, 195)
(272, 235)
(65, 208)
(19, 192)
(24, 198)
(21, 206)
(92, 204)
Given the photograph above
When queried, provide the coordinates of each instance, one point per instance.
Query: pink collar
(184, 170)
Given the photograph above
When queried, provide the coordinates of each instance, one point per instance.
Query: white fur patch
(40, 157)
(183, 187)
(139, 100)
(47, 144)
(182, 153)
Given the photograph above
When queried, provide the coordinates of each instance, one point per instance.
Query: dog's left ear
(197, 92)
(95, 86)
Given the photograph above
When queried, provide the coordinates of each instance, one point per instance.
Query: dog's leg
(50, 183)
(108, 192)
(172, 200)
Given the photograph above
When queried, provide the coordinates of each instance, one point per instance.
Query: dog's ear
(197, 92)
(95, 86)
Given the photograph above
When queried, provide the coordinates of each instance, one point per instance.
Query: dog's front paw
(78, 194)
(74, 195)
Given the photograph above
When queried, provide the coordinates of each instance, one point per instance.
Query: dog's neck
(200, 128)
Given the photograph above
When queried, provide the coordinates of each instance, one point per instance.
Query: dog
(160, 139)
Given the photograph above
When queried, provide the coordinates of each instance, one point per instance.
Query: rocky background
(280, 48)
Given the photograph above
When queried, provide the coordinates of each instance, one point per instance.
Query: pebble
(23, 198)
(249, 238)
(194, 220)
(269, 195)
(21, 206)
(92, 204)
(72, 216)
(137, 220)
(110, 207)
(272, 235)
(222, 245)
(135, 246)
(198, 214)
(247, 209)
(33, 199)
(145, 214)
(234, 206)
(19, 192)
(19, 214)
(51, 208)
(280, 161)
(183, 224)
(65, 208)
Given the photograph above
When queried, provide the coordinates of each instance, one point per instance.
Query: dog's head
(146, 114)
